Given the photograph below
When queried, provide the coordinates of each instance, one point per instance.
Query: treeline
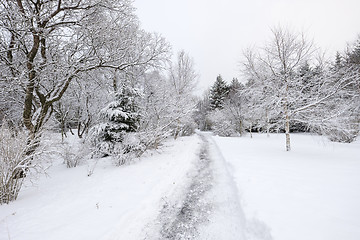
(288, 87)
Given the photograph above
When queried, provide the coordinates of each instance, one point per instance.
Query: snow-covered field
(113, 203)
(215, 188)
(312, 192)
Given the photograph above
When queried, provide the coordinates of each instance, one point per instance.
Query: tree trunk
(267, 124)
(251, 131)
(115, 82)
(287, 125)
(241, 130)
(287, 117)
(287, 132)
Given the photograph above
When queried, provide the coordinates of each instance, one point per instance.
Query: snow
(227, 220)
(312, 192)
(113, 203)
(249, 188)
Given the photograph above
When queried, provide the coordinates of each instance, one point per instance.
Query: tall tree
(286, 52)
(234, 87)
(183, 80)
(45, 45)
(353, 53)
(218, 93)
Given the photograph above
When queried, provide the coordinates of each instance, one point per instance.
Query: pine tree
(305, 75)
(218, 93)
(234, 87)
(338, 61)
(119, 117)
(354, 55)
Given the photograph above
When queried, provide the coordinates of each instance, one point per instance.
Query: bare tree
(281, 89)
(183, 77)
(283, 55)
(45, 45)
(168, 102)
(183, 80)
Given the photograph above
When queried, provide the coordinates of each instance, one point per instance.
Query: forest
(87, 68)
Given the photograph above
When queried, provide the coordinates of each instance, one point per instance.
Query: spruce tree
(354, 55)
(218, 93)
(234, 87)
(119, 117)
(338, 61)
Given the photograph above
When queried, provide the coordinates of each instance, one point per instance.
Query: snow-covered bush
(344, 136)
(17, 157)
(340, 129)
(130, 148)
(188, 129)
(72, 155)
(222, 124)
(70, 158)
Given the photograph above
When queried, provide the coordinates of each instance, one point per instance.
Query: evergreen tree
(305, 75)
(338, 61)
(119, 117)
(218, 93)
(234, 87)
(354, 55)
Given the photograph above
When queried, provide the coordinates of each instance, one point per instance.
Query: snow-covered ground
(113, 203)
(200, 187)
(312, 192)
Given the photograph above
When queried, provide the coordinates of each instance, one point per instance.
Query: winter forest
(289, 87)
(87, 93)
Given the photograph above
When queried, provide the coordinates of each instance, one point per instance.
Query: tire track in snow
(208, 205)
(181, 220)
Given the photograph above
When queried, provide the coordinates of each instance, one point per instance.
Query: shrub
(16, 154)
(221, 124)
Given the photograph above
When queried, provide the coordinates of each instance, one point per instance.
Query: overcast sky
(215, 33)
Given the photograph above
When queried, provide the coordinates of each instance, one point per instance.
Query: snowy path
(208, 207)
(181, 218)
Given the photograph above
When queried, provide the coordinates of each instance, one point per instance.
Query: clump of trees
(224, 111)
(289, 88)
(86, 66)
(146, 111)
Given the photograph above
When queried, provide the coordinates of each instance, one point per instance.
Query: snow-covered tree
(353, 53)
(305, 96)
(228, 117)
(342, 112)
(45, 45)
(218, 93)
(201, 113)
(119, 117)
(183, 80)
(167, 103)
(275, 68)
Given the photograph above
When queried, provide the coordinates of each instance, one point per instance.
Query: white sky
(215, 33)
